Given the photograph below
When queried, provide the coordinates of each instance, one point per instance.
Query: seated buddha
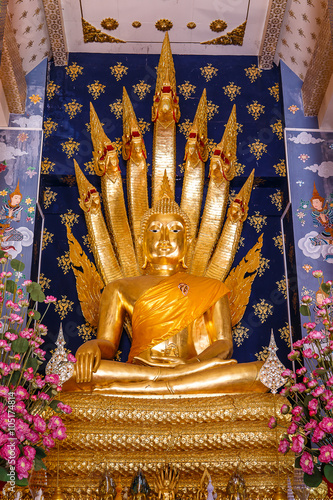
(181, 326)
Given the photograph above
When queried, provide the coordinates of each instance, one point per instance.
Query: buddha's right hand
(88, 358)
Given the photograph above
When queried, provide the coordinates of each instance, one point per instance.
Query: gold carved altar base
(122, 434)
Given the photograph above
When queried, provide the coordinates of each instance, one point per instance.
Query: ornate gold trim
(55, 26)
(92, 34)
(273, 26)
(163, 25)
(136, 24)
(218, 25)
(234, 37)
(191, 25)
(109, 23)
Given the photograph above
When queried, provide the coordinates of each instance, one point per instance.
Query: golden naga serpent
(116, 243)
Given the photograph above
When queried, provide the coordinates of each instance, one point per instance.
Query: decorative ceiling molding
(320, 70)
(92, 34)
(273, 26)
(234, 37)
(11, 72)
(56, 31)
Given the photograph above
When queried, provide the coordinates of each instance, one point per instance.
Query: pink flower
(306, 299)
(298, 344)
(19, 407)
(272, 423)
(39, 424)
(54, 422)
(284, 446)
(26, 282)
(15, 318)
(309, 325)
(4, 391)
(29, 452)
(306, 463)
(50, 299)
(11, 336)
(44, 396)
(326, 453)
(297, 443)
(39, 382)
(312, 424)
(317, 435)
(293, 355)
(284, 409)
(312, 383)
(21, 393)
(21, 429)
(317, 391)
(48, 441)
(59, 433)
(10, 452)
(292, 428)
(64, 408)
(318, 273)
(298, 388)
(298, 410)
(71, 358)
(3, 438)
(313, 407)
(33, 436)
(327, 425)
(308, 353)
(301, 371)
(23, 467)
(315, 335)
(286, 373)
(53, 378)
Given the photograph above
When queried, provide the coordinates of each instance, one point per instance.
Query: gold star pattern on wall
(86, 332)
(212, 110)
(44, 282)
(70, 147)
(186, 89)
(208, 72)
(69, 218)
(282, 286)
(262, 355)
(47, 166)
(232, 90)
(185, 127)
(64, 262)
(63, 306)
(280, 168)
(253, 72)
(141, 89)
(117, 108)
(49, 126)
(74, 70)
(118, 71)
(263, 310)
(143, 126)
(263, 265)
(285, 334)
(277, 129)
(257, 221)
(49, 197)
(239, 334)
(255, 109)
(257, 148)
(72, 108)
(275, 91)
(52, 89)
(277, 199)
(96, 89)
(87, 242)
(89, 167)
(278, 242)
(47, 238)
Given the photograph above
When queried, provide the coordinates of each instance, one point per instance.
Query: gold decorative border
(320, 70)
(273, 26)
(56, 31)
(11, 72)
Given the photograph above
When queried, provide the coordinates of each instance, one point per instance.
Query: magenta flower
(3, 438)
(71, 358)
(306, 463)
(308, 353)
(297, 443)
(19, 407)
(272, 423)
(23, 467)
(65, 408)
(285, 409)
(317, 391)
(301, 371)
(11, 336)
(33, 436)
(318, 273)
(286, 373)
(312, 424)
(39, 423)
(43, 396)
(10, 452)
(306, 299)
(59, 433)
(326, 425)
(292, 428)
(315, 335)
(21, 429)
(21, 393)
(313, 407)
(50, 299)
(48, 441)
(326, 453)
(4, 391)
(317, 435)
(298, 410)
(298, 344)
(29, 452)
(54, 422)
(284, 446)
(39, 382)
(53, 378)
(293, 355)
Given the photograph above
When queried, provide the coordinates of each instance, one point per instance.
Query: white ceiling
(147, 39)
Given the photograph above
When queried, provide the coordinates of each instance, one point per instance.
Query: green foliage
(17, 265)
(328, 472)
(11, 286)
(325, 288)
(313, 480)
(305, 310)
(36, 292)
(20, 345)
(36, 315)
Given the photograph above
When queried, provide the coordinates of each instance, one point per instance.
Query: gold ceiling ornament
(163, 25)
(218, 25)
(191, 25)
(109, 23)
(136, 24)
(234, 37)
(92, 34)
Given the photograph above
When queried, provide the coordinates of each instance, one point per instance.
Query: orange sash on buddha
(169, 307)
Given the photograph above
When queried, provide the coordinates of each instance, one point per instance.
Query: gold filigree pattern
(234, 37)
(239, 334)
(211, 146)
(185, 127)
(218, 25)
(117, 108)
(92, 34)
(241, 243)
(49, 196)
(141, 89)
(64, 262)
(239, 168)
(63, 306)
(72, 108)
(109, 23)
(257, 148)
(47, 166)
(163, 25)
(89, 167)
(118, 145)
(257, 221)
(136, 24)
(232, 90)
(282, 287)
(52, 89)
(277, 199)
(212, 109)
(47, 238)
(262, 355)
(74, 70)
(280, 168)
(70, 147)
(70, 180)
(278, 242)
(86, 332)
(253, 72)
(255, 109)
(285, 334)
(208, 72)
(143, 126)
(87, 242)
(263, 309)
(277, 129)
(49, 126)
(263, 265)
(118, 71)
(186, 89)
(44, 282)
(69, 218)
(275, 91)
(96, 89)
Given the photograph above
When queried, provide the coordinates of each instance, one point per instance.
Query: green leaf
(39, 464)
(328, 472)
(325, 288)
(36, 315)
(54, 404)
(17, 265)
(22, 482)
(297, 462)
(32, 363)
(313, 480)
(36, 292)
(3, 474)
(2, 254)
(40, 453)
(11, 286)
(305, 310)
(15, 378)
(20, 345)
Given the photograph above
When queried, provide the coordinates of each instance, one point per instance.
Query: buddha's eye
(175, 230)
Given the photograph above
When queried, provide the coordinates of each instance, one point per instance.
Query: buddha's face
(165, 239)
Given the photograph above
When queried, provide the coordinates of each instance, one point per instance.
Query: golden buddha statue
(166, 280)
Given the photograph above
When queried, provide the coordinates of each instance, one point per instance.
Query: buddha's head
(165, 236)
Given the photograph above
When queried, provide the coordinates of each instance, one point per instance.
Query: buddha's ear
(145, 263)
(182, 261)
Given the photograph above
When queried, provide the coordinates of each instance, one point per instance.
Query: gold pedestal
(123, 434)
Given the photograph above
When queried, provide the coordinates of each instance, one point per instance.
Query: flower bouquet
(27, 429)
(310, 390)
